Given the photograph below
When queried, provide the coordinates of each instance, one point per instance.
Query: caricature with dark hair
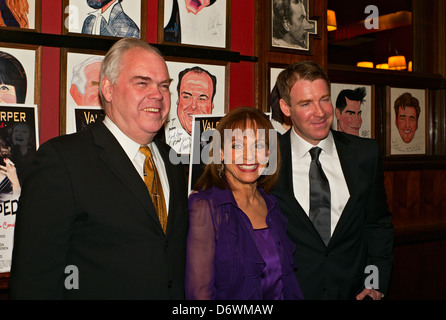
(13, 81)
(348, 110)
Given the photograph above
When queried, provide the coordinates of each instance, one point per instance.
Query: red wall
(241, 74)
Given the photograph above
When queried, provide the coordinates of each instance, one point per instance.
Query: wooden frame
(76, 13)
(282, 36)
(72, 97)
(33, 20)
(207, 28)
(416, 139)
(29, 57)
(176, 126)
(367, 128)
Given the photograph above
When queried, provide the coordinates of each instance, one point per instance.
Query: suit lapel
(118, 162)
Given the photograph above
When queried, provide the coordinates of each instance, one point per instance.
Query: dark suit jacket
(363, 235)
(119, 24)
(85, 205)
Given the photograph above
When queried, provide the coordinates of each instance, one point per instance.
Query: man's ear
(337, 113)
(107, 89)
(284, 107)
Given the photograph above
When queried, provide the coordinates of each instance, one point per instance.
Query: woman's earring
(220, 171)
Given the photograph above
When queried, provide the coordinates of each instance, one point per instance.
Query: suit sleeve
(43, 229)
(379, 229)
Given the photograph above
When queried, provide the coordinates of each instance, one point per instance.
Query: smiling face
(21, 134)
(350, 119)
(195, 97)
(139, 100)
(407, 123)
(247, 157)
(310, 109)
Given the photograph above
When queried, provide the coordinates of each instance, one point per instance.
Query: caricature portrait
(85, 82)
(13, 80)
(290, 25)
(195, 91)
(408, 122)
(14, 13)
(348, 110)
(195, 22)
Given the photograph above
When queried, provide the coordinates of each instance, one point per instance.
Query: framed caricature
(20, 75)
(407, 129)
(195, 23)
(354, 109)
(197, 88)
(115, 18)
(80, 101)
(22, 14)
(292, 26)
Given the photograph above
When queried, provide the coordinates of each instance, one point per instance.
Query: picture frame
(28, 62)
(409, 135)
(350, 116)
(79, 88)
(177, 128)
(279, 121)
(79, 18)
(289, 37)
(184, 23)
(26, 16)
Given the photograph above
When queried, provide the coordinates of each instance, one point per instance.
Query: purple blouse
(228, 260)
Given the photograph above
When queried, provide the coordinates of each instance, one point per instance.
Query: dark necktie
(319, 197)
(153, 183)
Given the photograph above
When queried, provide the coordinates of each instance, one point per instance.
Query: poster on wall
(107, 18)
(192, 22)
(81, 103)
(18, 144)
(353, 109)
(197, 88)
(202, 129)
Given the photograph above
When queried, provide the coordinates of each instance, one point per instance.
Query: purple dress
(228, 260)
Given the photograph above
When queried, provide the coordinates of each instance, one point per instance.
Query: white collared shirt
(331, 165)
(131, 148)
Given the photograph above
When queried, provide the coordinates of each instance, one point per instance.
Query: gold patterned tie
(153, 183)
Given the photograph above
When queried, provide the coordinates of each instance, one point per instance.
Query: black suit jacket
(363, 235)
(85, 205)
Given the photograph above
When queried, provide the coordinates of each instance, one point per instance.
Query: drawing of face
(350, 120)
(298, 25)
(90, 97)
(97, 4)
(195, 97)
(407, 123)
(7, 94)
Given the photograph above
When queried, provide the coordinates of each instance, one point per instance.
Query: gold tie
(153, 183)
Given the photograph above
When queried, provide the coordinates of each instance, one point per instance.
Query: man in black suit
(332, 262)
(86, 226)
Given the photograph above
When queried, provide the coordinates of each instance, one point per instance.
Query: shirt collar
(300, 147)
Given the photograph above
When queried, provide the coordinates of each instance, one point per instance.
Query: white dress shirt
(131, 148)
(331, 165)
(99, 14)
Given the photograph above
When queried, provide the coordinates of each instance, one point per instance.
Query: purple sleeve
(200, 270)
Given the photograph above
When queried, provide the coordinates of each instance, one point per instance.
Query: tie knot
(315, 152)
(145, 150)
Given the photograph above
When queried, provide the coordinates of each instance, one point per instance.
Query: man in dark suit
(86, 226)
(345, 252)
